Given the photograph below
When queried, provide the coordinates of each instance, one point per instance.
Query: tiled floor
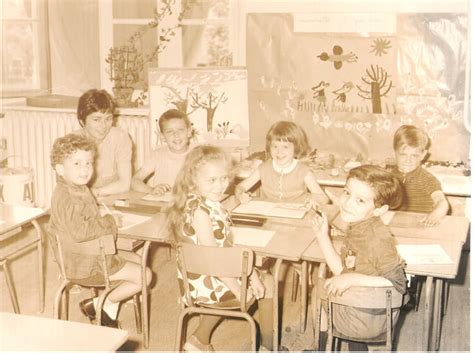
(230, 334)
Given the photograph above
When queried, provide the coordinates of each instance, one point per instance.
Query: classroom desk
(23, 332)
(435, 274)
(12, 219)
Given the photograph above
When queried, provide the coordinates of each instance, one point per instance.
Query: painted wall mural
(351, 91)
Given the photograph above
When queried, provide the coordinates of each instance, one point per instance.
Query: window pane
(206, 46)
(18, 66)
(133, 8)
(206, 9)
(16, 8)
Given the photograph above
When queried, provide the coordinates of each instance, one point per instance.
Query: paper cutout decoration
(380, 46)
(320, 95)
(338, 57)
(377, 85)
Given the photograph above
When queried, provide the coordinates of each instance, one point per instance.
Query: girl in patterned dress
(197, 216)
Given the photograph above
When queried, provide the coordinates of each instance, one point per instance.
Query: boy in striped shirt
(422, 191)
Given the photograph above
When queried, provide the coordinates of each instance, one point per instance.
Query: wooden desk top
(453, 249)
(153, 229)
(23, 332)
(13, 216)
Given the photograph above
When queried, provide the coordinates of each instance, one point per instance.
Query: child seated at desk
(76, 220)
(284, 177)
(165, 162)
(368, 256)
(197, 216)
(422, 191)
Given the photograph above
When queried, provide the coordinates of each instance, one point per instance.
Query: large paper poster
(214, 99)
(352, 86)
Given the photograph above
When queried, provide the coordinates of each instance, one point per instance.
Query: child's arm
(339, 284)
(203, 227)
(317, 196)
(321, 230)
(244, 185)
(440, 209)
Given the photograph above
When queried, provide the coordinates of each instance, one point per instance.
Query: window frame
(41, 58)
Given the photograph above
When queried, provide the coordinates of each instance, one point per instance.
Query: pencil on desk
(106, 208)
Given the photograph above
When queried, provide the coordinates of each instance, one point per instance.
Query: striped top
(418, 186)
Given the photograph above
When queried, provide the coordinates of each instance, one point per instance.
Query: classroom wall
(420, 61)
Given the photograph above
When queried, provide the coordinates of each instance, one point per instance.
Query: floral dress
(206, 289)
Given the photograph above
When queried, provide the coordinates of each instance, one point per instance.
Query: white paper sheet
(272, 209)
(166, 197)
(432, 254)
(251, 236)
(129, 220)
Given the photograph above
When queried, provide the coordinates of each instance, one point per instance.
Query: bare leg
(130, 274)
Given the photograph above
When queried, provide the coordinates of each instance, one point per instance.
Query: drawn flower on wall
(383, 123)
(380, 46)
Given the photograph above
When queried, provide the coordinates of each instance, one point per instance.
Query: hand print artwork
(214, 99)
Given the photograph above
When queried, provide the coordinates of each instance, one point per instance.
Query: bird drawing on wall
(319, 94)
(341, 92)
(338, 57)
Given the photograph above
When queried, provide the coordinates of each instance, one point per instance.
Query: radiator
(30, 134)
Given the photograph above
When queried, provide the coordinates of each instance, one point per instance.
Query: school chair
(301, 278)
(387, 298)
(61, 297)
(233, 262)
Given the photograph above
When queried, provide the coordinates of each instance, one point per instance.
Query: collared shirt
(369, 248)
(418, 186)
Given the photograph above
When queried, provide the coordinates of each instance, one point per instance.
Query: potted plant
(126, 62)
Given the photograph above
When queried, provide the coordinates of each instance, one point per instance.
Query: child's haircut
(185, 181)
(94, 100)
(173, 114)
(387, 188)
(288, 131)
(412, 136)
(65, 146)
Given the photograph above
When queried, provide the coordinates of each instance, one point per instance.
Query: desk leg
(434, 344)
(304, 295)
(40, 265)
(276, 299)
(145, 318)
(427, 314)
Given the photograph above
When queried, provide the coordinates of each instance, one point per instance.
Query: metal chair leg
(11, 287)
(40, 266)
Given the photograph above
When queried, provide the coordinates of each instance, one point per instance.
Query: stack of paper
(432, 254)
(272, 209)
(251, 236)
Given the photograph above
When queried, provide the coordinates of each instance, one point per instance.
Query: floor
(230, 334)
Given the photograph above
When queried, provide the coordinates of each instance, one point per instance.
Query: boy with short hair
(165, 162)
(76, 220)
(422, 191)
(368, 255)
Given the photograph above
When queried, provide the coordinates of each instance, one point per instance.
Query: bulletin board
(351, 82)
(214, 99)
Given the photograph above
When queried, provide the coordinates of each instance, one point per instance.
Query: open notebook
(430, 254)
(272, 209)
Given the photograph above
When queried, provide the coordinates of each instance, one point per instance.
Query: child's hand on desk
(338, 284)
(244, 197)
(160, 189)
(320, 225)
(311, 202)
(433, 218)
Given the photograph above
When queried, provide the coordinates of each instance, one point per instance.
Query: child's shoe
(194, 345)
(87, 308)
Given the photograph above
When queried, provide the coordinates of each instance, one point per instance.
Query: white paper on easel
(130, 219)
(251, 236)
(272, 209)
(432, 254)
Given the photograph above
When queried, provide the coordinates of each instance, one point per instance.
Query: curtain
(74, 46)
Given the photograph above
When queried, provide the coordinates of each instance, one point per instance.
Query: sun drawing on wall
(380, 46)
